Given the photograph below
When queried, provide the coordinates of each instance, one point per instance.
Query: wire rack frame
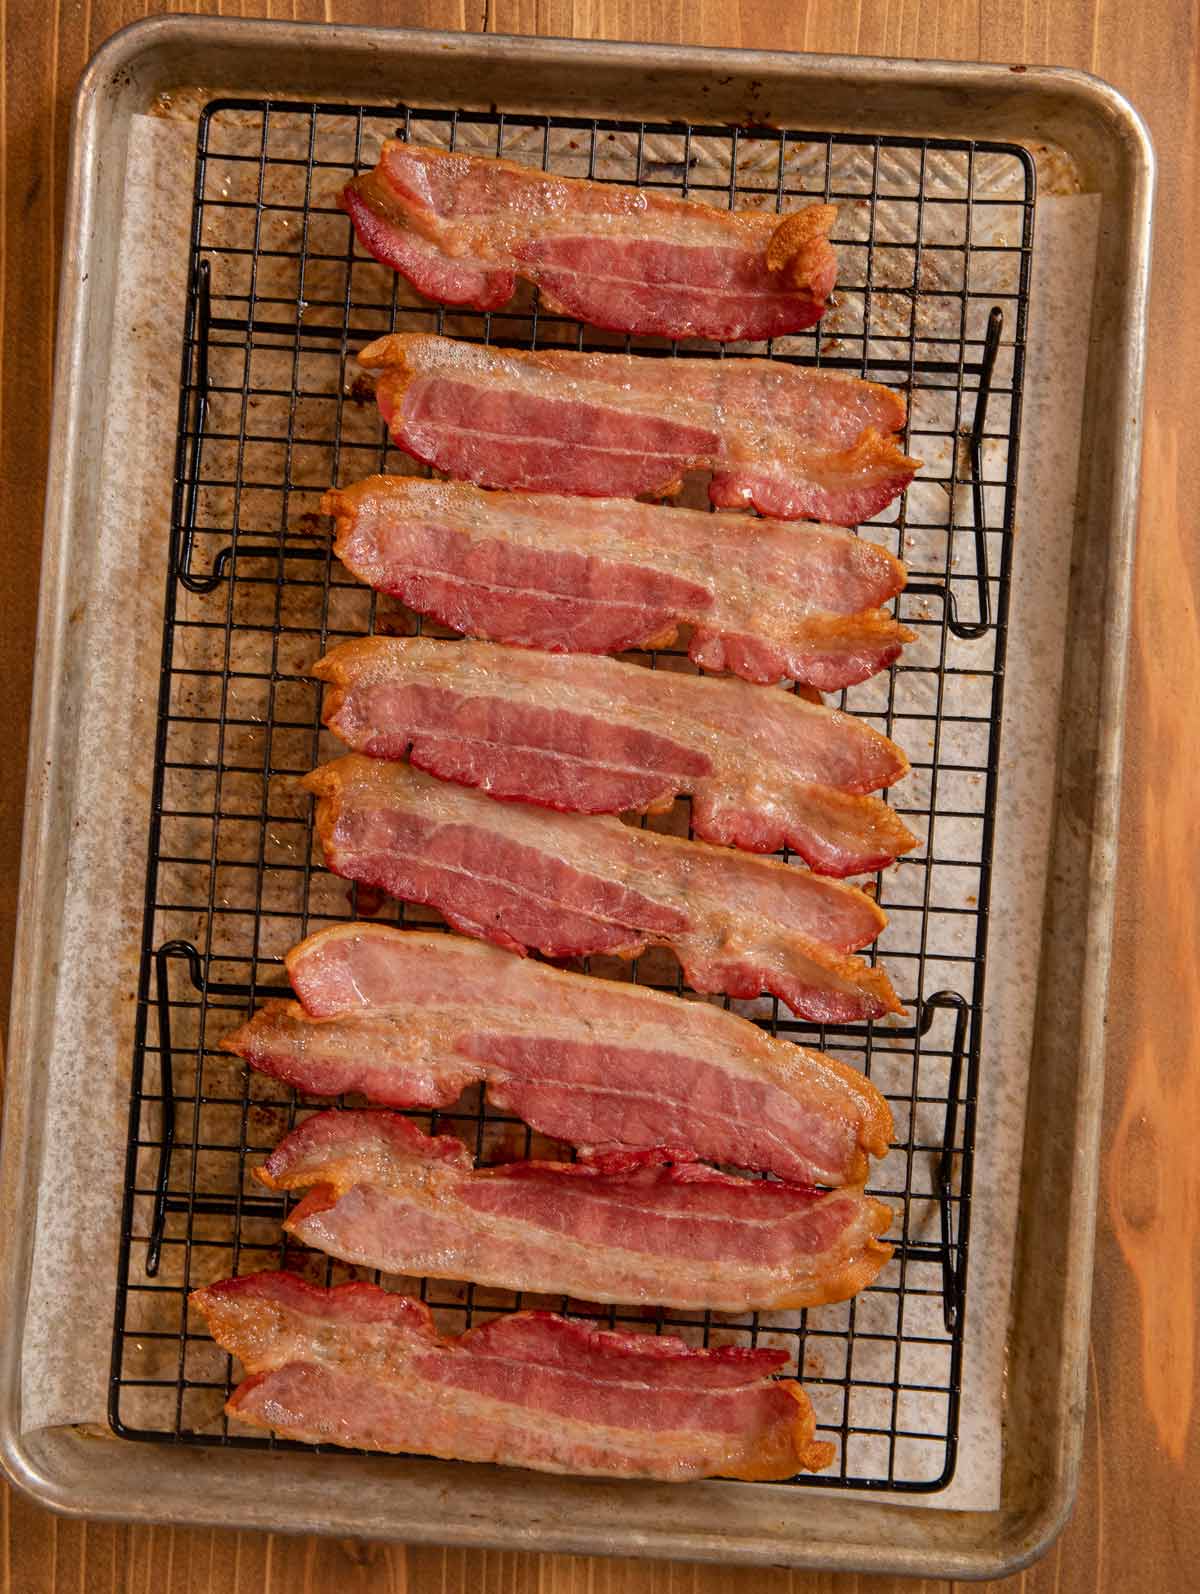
(935, 240)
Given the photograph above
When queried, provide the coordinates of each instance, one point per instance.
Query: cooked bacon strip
(768, 600)
(793, 442)
(765, 769)
(463, 228)
(412, 1018)
(570, 885)
(629, 1228)
(361, 1367)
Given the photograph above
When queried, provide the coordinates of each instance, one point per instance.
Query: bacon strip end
(800, 251)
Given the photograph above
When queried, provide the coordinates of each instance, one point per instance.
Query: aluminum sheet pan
(92, 1475)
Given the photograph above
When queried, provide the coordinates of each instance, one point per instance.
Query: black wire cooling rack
(934, 241)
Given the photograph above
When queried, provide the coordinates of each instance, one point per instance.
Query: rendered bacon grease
(569, 885)
(360, 1367)
(767, 600)
(634, 1227)
(790, 441)
(765, 769)
(412, 1019)
(463, 228)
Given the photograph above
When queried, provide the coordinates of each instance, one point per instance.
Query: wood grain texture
(1135, 1525)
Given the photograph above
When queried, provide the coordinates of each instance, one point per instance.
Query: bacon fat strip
(358, 1366)
(765, 769)
(569, 885)
(768, 600)
(463, 228)
(411, 1019)
(793, 442)
(632, 1227)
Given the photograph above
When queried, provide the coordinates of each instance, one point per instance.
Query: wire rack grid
(934, 240)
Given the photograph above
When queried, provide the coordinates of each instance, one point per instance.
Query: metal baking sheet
(575, 1513)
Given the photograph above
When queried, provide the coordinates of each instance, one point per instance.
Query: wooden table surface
(1136, 1525)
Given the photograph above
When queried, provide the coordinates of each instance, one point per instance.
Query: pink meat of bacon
(463, 228)
(412, 1019)
(765, 769)
(793, 442)
(569, 885)
(768, 600)
(631, 1228)
(361, 1367)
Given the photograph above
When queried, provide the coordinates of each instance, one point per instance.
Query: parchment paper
(69, 1325)
(89, 1056)
(1050, 434)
